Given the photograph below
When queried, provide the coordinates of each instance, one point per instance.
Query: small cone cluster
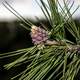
(38, 35)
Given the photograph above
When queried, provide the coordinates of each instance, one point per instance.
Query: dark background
(14, 37)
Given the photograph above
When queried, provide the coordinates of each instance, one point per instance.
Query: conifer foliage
(53, 56)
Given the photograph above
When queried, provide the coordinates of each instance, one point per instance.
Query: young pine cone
(38, 35)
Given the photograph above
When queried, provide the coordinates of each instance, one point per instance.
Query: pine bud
(38, 35)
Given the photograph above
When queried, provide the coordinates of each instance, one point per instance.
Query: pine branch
(48, 58)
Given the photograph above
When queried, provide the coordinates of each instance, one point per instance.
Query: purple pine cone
(38, 35)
